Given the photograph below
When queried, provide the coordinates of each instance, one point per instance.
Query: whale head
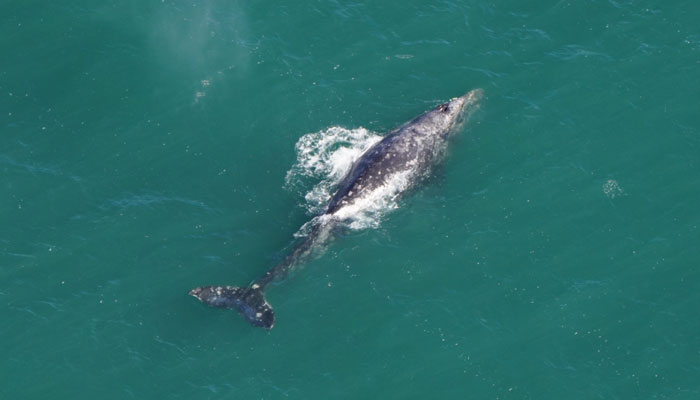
(448, 118)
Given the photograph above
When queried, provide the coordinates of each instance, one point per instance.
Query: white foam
(367, 212)
(323, 159)
(612, 189)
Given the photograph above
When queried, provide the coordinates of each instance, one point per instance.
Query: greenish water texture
(144, 147)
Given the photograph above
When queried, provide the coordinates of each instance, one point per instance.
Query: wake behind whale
(376, 171)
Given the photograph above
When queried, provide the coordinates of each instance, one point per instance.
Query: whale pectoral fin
(250, 302)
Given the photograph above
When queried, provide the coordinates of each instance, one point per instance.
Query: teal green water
(144, 147)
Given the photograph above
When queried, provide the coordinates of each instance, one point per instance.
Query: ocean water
(148, 147)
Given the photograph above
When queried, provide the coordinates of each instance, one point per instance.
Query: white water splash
(323, 159)
(612, 189)
(367, 212)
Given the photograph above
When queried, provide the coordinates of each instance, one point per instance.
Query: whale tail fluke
(249, 301)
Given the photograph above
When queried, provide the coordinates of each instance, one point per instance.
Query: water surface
(144, 150)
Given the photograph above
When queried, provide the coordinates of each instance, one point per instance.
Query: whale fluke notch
(250, 302)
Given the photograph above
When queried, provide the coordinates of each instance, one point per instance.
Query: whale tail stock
(250, 302)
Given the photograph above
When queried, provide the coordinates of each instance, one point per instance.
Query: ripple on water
(573, 51)
(149, 199)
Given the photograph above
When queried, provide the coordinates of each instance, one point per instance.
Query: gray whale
(407, 153)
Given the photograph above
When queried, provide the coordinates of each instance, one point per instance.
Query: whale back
(410, 150)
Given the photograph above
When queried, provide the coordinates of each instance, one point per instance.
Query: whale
(401, 160)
